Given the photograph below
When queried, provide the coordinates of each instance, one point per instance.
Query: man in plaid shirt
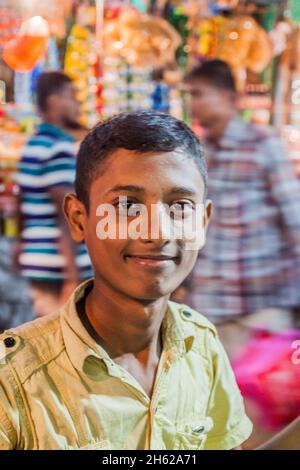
(251, 261)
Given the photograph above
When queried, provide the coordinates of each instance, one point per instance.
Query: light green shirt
(60, 390)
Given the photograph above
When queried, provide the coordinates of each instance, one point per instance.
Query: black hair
(143, 132)
(215, 72)
(50, 83)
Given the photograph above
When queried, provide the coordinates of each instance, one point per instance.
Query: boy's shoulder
(30, 346)
(187, 314)
(193, 324)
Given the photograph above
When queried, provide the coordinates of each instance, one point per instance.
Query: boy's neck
(126, 325)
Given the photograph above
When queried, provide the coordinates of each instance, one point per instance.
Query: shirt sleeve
(231, 426)
(285, 188)
(8, 435)
(59, 168)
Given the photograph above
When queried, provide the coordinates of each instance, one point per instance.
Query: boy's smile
(153, 261)
(152, 267)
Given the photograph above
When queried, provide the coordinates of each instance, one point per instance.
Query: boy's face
(144, 268)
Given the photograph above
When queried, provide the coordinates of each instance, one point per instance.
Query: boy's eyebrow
(183, 190)
(126, 187)
(134, 188)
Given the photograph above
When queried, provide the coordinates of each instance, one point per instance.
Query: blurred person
(15, 305)
(248, 273)
(48, 257)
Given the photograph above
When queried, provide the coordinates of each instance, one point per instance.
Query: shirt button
(9, 342)
(186, 313)
(200, 429)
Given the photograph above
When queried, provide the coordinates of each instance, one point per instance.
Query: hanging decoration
(141, 39)
(244, 44)
(54, 12)
(23, 52)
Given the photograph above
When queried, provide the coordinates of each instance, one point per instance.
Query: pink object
(267, 374)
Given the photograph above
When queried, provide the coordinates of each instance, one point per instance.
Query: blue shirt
(48, 161)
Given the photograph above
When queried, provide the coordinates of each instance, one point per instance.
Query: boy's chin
(152, 294)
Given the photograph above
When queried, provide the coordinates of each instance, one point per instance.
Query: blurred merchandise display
(10, 22)
(125, 87)
(115, 50)
(15, 126)
(80, 65)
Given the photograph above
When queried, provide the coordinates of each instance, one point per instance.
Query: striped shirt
(252, 254)
(48, 161)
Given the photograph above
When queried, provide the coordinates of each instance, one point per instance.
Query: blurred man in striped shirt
(48, 256)
(248, 273)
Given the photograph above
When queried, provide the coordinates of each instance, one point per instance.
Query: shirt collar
(79, 344)
(55, 131)
(178, 335)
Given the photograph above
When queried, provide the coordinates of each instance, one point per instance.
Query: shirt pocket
(192, 435)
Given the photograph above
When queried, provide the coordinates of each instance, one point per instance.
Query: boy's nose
(159, 225)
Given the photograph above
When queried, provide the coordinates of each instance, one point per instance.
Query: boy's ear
(207, 213)
(75, 214)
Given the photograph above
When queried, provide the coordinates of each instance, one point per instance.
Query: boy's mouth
(152, 261)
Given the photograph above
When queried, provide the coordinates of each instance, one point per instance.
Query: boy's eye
(181, 209)
(128, 207)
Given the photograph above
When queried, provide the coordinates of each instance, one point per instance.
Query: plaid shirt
(251, 257)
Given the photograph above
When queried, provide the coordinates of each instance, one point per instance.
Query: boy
(121, 367)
